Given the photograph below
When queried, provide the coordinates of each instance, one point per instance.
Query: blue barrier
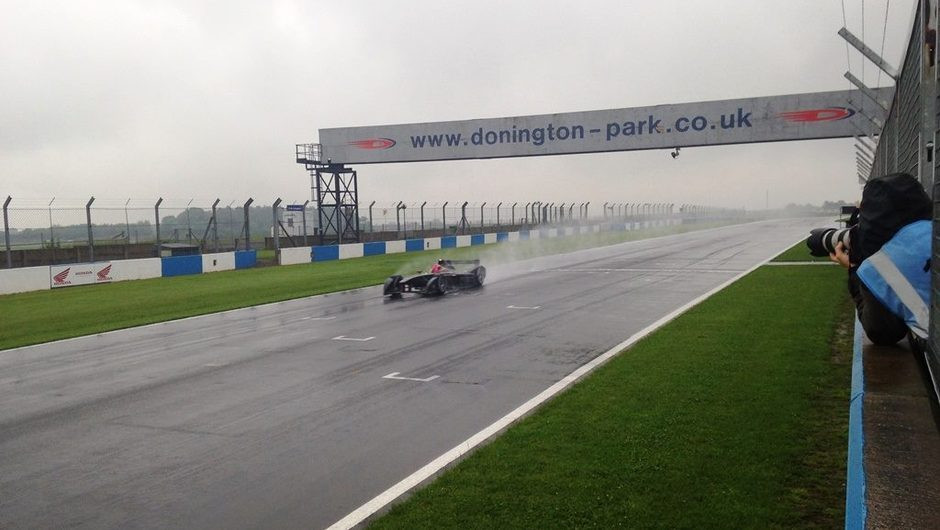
(180, 265)
(502, 236)
(245, 259)
(376, 248)
(476, 239)
(414, 245)
(449, 242)
(325, 252)
(523, 235)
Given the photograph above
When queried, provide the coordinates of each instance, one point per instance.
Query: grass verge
(733, 415)
(41, 316)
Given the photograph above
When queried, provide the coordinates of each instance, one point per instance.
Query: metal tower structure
(336, 191)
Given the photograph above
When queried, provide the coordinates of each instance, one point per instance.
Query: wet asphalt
(284, 415)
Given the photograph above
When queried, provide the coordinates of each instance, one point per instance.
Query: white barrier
(394, 247)
(513, 236)
(136, 269)
(489, 238)
(463, 241)
(432, 243)
(24, 279)
(223, 261)
(350, 250)
(294, 256)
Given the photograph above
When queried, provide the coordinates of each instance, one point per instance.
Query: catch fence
(58, 231)
(906, 131)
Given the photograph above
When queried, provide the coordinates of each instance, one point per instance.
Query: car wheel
(480, 273)
(391, 285)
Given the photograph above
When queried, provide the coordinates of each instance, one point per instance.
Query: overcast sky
(198, 100)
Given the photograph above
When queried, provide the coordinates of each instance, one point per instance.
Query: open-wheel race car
(446, 275)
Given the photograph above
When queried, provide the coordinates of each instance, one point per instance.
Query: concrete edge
(856, 507)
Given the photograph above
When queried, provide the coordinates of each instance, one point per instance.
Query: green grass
(800, 252)
(41, 316)
(732, 416)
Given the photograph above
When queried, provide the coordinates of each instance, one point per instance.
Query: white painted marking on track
(531, 308)
(343, 337)
(315, 318)
(394, 375)
(429, 470)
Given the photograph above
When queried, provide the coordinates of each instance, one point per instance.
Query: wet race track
(295, 414)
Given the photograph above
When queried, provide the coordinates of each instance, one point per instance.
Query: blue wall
(180, 265)
(414, 245)
(325, 252)
(376, 248)
(245, 259)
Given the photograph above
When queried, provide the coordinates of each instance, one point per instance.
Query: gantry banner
(735, 121)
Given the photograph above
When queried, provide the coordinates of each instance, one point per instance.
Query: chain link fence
(907, 141)
(58, 231)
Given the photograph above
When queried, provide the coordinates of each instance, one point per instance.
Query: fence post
(422, 217)
(275, 226)
(444, 219)
(127, 226)
(156, 214)
(303, 217)
(586, 205)
(247, 231)
(481, 216)
(6, 231)
(215, 224)
(91, 237)
(497, 216)
(51, 231)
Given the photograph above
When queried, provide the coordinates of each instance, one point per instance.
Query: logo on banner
(374, 143)
(103, 274)
(811, 115)
(61, 278)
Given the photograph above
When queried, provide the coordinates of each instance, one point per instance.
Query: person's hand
(840, 256)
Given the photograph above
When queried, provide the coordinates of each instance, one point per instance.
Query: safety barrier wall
(40, 278)
(136, 269)
(223, 261)
(294, 256)
(24, 279)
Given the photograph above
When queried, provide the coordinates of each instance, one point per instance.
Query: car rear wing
(447, 262)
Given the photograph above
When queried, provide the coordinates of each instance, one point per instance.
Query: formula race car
(446, 275)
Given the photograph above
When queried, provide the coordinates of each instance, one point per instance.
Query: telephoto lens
(823, 241)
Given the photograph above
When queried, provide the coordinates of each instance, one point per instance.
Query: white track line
(432, 468)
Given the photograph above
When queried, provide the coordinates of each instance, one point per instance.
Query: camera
(823, 241)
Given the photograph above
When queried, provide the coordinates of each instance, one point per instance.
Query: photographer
(888, 258)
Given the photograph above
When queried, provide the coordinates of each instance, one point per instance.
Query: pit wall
(377, 248)
(56, 276)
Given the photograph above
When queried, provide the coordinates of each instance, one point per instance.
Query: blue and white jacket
(898, 275)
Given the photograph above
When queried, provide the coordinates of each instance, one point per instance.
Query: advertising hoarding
(763, 119)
